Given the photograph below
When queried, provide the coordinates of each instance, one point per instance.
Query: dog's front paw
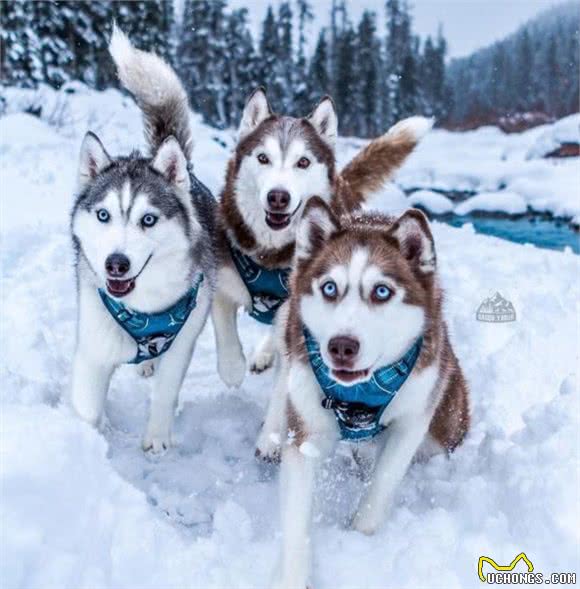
(146, 369)
(268, 447)
(261, 361)
(232, 367)
(366, 522)
(156, 442)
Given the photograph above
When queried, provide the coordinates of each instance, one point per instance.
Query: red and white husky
(366, 310)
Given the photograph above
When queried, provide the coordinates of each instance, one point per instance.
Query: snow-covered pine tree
(203, 58)
(240, 75)
(20, 63)
(269, 60)
(318, 73)
(369, 67)
(347, 88)
(55, 23)
(302, 99)
(285, 66)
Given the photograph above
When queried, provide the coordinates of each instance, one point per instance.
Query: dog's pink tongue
(120, 288)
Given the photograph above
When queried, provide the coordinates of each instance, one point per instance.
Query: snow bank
(82, 508)
(488, 160)
(505, 202)
(566, 130)
(434, 202)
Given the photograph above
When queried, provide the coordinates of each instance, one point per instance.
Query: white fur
(232, 294)
(416, 126)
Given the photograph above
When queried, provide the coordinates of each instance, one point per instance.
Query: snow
(504, 201)
(488, 160)
(434, 202)
(566, 130)
(86, 508)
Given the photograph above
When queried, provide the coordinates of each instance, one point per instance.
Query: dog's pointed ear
(415, 239)
(257, 109)
(325, 120)
(171, 163)
(317, 224)
(93, 159)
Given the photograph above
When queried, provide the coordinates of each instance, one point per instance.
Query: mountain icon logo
(496, 309)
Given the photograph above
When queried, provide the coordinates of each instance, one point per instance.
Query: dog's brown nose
(343, 350)
(278, 199)
(117, 265)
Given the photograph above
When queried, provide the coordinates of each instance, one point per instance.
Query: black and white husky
(143, 233)
(279, 163)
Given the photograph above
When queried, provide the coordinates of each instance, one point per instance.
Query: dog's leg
(169, 374)
(90, 382)
(312, 432)
(146, 369)
(231, 362)
(268, 444)
(404, 436)
(264, 354)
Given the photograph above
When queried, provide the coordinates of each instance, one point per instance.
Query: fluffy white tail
(156, 89)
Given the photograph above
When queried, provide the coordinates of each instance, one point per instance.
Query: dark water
(543, 232)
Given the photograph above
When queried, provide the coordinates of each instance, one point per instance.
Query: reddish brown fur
(375, 232)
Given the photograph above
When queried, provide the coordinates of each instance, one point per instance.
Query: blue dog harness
(268, 288)
(153, 332)
(358, 408)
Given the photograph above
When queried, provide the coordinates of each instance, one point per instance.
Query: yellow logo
(497, 567)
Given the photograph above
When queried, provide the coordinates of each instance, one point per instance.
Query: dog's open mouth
(278, 220)
(120, 288)
(350, 375)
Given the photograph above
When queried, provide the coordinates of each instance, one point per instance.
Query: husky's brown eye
(263, 159)
(303, 163)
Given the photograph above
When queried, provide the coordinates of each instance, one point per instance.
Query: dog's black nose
(117, 265)
(278, 199)
(343, 350)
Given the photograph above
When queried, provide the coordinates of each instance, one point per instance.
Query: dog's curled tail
(375, 164)
(157, 90)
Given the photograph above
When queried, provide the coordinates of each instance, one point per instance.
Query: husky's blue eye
(103, 215)
(329, 289)
(149, 220)
(381, 293)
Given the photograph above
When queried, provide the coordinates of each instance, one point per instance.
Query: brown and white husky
(278, 164)
(366, 351)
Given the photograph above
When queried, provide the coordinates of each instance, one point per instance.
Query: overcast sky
(467, 24)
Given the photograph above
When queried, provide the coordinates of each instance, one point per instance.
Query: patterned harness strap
(358, 408)
(268, 288)
(154, 333)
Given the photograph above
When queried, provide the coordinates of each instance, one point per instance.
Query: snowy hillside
(82, 508)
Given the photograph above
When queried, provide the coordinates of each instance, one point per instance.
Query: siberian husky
(143, 233)
(367, 349)
(278, 164)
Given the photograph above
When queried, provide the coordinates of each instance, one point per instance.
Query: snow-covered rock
(566, 131)
(434, 202)
(504, 202)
